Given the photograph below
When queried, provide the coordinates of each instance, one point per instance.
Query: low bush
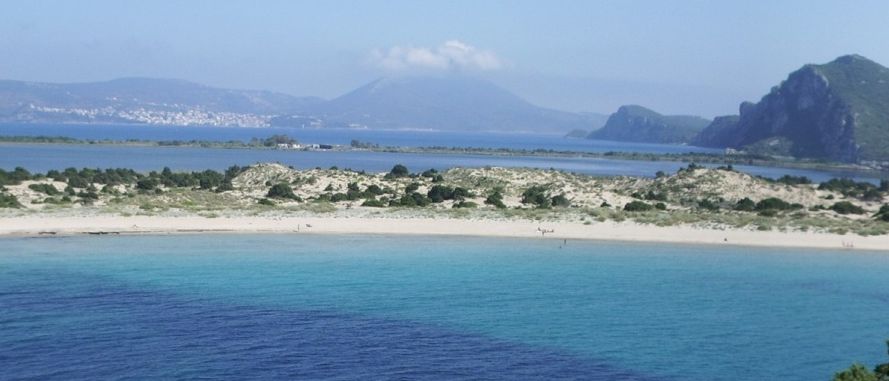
(537, 195)
(561, 201)
(48, 189)
(745, 205)
(883, 213)
(282, 191)
(846, 207)
(398, 171)
(637, 206)
(9, 201)
(495, 199)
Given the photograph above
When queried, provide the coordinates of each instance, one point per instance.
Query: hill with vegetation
(638, 124)
(836, 111)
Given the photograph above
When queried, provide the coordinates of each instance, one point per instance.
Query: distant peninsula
(635, 123)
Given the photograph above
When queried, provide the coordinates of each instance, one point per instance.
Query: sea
(44, 157)
(368, 307)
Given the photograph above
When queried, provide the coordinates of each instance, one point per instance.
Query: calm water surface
(343, 136)
(43, 157)
(380, 307)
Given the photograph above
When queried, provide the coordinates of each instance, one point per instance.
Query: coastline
(34, 226)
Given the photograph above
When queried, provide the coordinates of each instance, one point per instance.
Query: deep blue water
(343, 136)
(381, 307)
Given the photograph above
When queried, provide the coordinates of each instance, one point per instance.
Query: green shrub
(846, 207)
(337, 197)
(9, 201)
(144, 184)
(48, 189)
(858, 372)
(637, 206)
(15, 177)
(745, 204)
(373, 189)
(883, 213)
(282, 191)
(708, 205)
(794, 180)
(78, 182)
(774, 203)
(495, 199)
(660, 206)
(850, 188)
(265, 201)
(398, 171)
(561, 201)
(538, 196)
(439, 193)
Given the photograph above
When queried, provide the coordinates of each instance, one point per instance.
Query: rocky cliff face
(830, 111)
(639, 124)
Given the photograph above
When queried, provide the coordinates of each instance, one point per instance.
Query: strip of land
(694, 205)
(558, 231)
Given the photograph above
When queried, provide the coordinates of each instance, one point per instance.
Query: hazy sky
(699, 57)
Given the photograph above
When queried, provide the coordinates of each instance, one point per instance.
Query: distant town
(178, 115)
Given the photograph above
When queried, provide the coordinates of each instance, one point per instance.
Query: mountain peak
(444, 102)
(636, 123)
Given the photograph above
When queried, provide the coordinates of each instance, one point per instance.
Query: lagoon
(357, 307)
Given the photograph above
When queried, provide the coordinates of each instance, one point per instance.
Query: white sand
(624, 231)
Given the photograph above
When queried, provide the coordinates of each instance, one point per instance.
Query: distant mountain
(450, 103)
(837, 111)
(139, 100)
(638, 124)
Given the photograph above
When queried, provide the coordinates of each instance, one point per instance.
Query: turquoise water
(355, 307)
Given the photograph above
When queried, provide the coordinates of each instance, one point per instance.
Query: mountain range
(837, 111)
(453, 102)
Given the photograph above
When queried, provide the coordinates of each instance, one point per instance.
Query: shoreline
(600, 231)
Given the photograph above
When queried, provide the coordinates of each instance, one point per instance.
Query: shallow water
(383, 307)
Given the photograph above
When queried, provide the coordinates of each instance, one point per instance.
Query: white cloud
(450, 55)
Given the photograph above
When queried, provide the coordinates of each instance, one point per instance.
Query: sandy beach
(616, 231)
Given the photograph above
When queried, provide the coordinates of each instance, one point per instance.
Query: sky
(678, 57)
